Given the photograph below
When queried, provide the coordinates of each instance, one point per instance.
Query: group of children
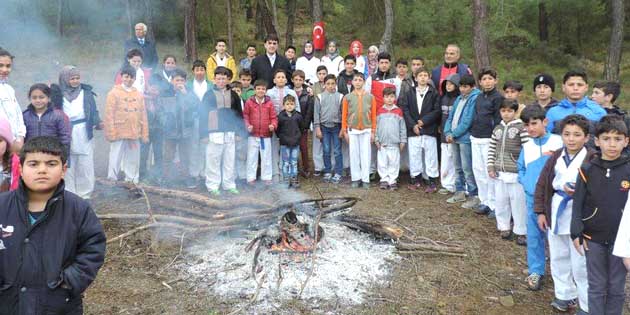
(554, 170)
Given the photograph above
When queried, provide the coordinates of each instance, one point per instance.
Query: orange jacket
(125, 115)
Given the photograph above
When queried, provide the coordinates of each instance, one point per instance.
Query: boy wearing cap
(544, 86)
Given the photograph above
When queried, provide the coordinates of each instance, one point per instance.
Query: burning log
(377, 229)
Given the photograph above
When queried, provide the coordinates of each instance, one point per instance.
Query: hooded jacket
(601, 192)
(505, 146)
(428, 112)
(62, 252)
(307, 106)
(212, 64)
(53, 122)
(446, 102)
(390, 126)
(585, 107)
(532, 159)
(289, 128)
(92, 117)
(125, 115)
(260, 116)
(487, 115)
(461, 132)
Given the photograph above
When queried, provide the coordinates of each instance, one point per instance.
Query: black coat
(487, 114)
(342, 82)
(307, 107)
(92, 117)
(430, 112)
(261, 68)
(45, 267)
(289, 128)
(149, 52)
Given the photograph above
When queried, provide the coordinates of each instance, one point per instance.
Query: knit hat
(546, 79)
(5, 132)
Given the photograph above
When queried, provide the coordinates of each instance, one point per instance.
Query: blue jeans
(535, 240)
(289, 160)
(331, 141)
(464, 177)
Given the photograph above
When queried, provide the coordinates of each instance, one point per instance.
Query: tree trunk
(265, 19)
(190, 31)
(148, 13)
(291, 11)
(480, 36)
(274, 11)
(129, 22)
(60, 18)
(228, 4)
(611, 68)
(318, 10)
(386, 40)
(249, 10)
(543, 22)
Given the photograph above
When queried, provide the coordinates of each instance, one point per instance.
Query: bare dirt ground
(131, 279)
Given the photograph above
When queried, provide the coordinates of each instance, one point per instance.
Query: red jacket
(260, 116)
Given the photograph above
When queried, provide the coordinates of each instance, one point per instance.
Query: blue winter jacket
(589, 109)
(461, 133)
(529, 171)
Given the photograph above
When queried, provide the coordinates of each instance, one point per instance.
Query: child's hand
(568, 189)
(626, 262)
(318, 133)
(271, 128)
(416, 130)
(372, 137)
(16, 147)
(402, 146)
(449, 139)
(542, 223)
(420, 123)
(309, 90)
(578, 246)
(345, 135)
(341, 132)
(378, 145)
(492, 174)
(250, 128)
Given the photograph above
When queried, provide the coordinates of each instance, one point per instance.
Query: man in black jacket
(51, 242)
(149, 52)
(264, 66)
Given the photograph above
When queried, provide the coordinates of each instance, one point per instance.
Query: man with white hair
(451, 65)
(145, 45)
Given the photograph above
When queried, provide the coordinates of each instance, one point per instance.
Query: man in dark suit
(146, 46)
(264, 65)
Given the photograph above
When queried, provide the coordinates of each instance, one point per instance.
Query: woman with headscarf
(356, 49)
(372, 60)
(332, 60)
(78, 103)
(308, 63)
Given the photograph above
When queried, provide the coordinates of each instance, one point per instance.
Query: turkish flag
(319, 36)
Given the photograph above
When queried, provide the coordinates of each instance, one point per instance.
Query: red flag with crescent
(319, 36)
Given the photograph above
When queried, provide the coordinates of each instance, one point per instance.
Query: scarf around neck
(69, 92)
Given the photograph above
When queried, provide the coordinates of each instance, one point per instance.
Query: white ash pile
(348, 263)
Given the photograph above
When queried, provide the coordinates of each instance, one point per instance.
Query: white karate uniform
(309, 67)
(485, 184)
(254, 147)
(510, 203)
(220, 155)
(318, 154)
(79, 177)
(124, 155)
(568, 267)
(389, 163)
(447, 167)
(10, 110)
(423, 157)
(360, 154)
(622, 243)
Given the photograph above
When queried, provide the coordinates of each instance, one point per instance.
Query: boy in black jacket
(422, 113)
(598, 202)
(289, 133)
(307, 102)
(52, 244)
(485, 119)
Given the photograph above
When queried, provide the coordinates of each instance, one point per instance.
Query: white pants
(275, 156)
(485, 184)
(568, 269)
(318, 154)
(345, 154)
(374, 156)
(241, 158)
(447, 167)
(389, 163)
(253, 149)
(360, 155)
(510, 204)
(423, 157)
(80, 175)
(124, 155)
(220, 155)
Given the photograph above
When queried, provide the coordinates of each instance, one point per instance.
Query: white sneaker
(471, 203)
